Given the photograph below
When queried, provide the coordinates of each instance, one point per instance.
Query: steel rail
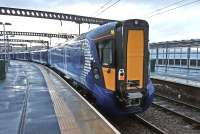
(177, 113)
(150, 125)
(180, 102)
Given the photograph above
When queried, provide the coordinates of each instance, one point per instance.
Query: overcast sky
(182, 23)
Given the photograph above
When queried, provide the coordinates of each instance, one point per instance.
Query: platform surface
(25, 103)
(177, 75)
(35, 100)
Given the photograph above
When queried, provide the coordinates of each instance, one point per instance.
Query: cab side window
(105, 52)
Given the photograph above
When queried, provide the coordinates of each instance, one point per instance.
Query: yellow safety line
(65, 117)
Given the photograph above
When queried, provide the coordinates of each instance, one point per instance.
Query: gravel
(180, 108)
(130, 125)
(169, 122)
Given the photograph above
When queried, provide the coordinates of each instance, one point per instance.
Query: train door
(135, 58)
(131, 57)
(106, 54)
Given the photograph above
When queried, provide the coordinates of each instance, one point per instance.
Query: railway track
(134, 124)
(188, 112)
(173, 111)
(187, 118)
(180, 102)
(169, 122)
(189, 94)
(150, 125)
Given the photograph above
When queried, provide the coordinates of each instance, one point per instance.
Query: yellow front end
(135, 58)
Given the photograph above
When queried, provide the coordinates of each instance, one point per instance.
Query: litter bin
(2, 69)
(153, 64)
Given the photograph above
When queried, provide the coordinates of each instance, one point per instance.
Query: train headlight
(136, 22)
(96, 73)
(96, 76)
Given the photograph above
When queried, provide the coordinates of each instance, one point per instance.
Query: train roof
(99, 31)
(106, 28)
(19, 52)
(41, 50)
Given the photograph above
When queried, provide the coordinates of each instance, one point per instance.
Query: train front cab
(124, 58)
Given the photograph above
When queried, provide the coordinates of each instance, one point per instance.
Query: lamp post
(4, 38)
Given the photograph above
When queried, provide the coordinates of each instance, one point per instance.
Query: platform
(177, 75)
(35, 100)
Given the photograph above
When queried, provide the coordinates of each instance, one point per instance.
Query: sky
(179, 24)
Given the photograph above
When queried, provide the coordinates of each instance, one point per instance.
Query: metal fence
(176, 55)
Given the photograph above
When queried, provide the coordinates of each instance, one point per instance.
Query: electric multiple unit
(111, 62)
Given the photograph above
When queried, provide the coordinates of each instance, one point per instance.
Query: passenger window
(105, 52)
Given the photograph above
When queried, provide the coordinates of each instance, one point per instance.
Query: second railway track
(185, 110)
(169, 122)
(177, 101)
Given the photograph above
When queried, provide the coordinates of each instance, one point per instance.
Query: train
(111, 62)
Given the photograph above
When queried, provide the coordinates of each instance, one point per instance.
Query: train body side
(40, 56)
(75, 61)
(24, 56)
(81, 61)
(69, 59)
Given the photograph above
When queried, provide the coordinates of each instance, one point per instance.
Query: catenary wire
(108, 7)
(105, 4)
(167, 6)
(186, 4)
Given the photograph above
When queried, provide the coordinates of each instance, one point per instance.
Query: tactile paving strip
(65, 118)
(86, 118)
